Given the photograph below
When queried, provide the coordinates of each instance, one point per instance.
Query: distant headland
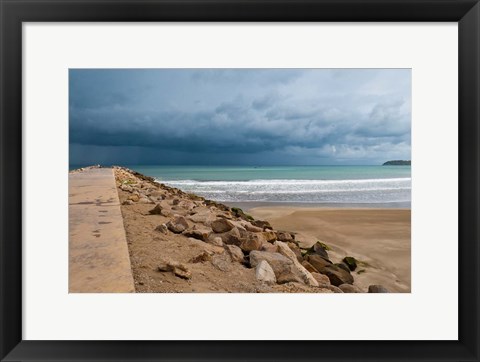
(398, 163)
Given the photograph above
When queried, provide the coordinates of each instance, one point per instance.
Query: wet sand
(380, 238)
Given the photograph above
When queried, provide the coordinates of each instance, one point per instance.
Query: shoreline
(248, 205)
(379, 237)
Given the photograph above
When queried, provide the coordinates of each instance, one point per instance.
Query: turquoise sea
(291, 184)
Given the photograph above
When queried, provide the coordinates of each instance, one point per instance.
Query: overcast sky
(239, 117)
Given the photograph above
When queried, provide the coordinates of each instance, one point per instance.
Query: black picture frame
(14, 12)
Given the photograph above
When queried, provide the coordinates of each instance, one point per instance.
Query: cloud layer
(256, 117)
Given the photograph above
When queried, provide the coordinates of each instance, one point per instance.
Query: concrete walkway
(98, 251)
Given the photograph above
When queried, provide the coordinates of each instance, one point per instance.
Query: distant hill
(397, 163)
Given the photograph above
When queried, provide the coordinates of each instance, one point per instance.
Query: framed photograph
(239, 180)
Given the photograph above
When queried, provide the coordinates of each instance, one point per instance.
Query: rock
(221, 225)
(282, 266)
(127, 188)
(157, 210)
(333, 288)
(236, 254)
(159, 195)
(320, 278)
(285, 236)
(265, 273)
(232, 237)
(343, 266)
(177, 225)
(318, 262)
(225, 216)
(249, 227)
(200, 234)
(351, 262)
(162, 228)
(222, 262)
(337, 275)
(206, 246)
(269, 236)
(128, 202)
(296, 250)
(269, 247)
(309, 267)
(254, 241)
(186, 205)
(286, 251)
(377, 289)
(319, 249)
(166, 213)
(145, 200)
(180, 270)
(134, 198)
(262, 224)
(203, 216)
(201, 258)
(215, 241)
(349, 288)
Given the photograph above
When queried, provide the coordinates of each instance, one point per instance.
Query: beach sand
(378, 237)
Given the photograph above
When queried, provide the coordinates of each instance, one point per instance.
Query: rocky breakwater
(213, 247)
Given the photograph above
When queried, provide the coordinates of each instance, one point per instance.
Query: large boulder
(337, 275)
(283, 267)
(177, 225)
(265, 273)
(318, 262)
(377, 289)
(221, 225)
(307, 278)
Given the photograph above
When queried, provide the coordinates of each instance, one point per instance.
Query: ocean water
(290, 184)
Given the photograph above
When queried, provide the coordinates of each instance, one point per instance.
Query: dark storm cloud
(239, 116)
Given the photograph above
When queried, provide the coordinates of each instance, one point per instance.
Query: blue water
(295, 184)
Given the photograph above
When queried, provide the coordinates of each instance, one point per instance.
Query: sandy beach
(378, 237)
(180, 242)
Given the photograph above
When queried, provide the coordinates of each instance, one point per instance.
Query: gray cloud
(310, 116)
